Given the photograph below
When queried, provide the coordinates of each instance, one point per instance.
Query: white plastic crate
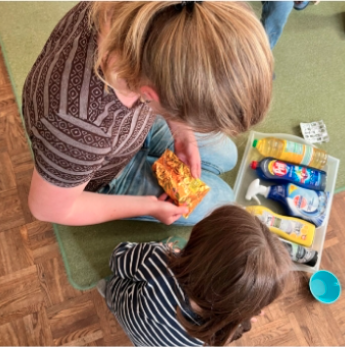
(246, 175)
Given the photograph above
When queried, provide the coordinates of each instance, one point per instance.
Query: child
(230, 269)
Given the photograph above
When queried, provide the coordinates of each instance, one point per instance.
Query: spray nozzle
(254, 189)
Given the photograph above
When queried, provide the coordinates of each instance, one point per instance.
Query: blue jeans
(218, 155)
(274, 17)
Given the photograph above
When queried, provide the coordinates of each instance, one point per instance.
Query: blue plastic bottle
(277, 170)
(299, 202)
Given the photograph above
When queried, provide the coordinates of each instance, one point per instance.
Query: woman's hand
(186, 147)
(165, 211)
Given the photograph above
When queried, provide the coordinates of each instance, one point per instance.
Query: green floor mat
(309, 85)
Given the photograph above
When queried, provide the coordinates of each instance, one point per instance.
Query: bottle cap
(313, 261)
(254, 164)
(255, 142)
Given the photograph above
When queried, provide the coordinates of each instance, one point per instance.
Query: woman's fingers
(182, 210)
(163, 197)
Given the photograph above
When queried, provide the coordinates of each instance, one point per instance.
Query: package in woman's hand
(177, 181)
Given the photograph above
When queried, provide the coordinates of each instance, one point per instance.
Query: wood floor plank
(15, 253)
(18, 295)
(337, 312)
(99, 342)
(20, 312)
(7, 176)
(279, 330)
(23, 181)
(112, 331)
(42, 241)
(297, 330)
(18, 333)
(3, 146)
(15, 278)
(23, 165)
(7, 98)
(309, 330)
(11, 214)
(81, 337)
(14, 133)
(59, 289)
(72, 317)
(41, 328)
(322, 317)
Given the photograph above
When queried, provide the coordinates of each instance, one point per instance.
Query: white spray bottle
(299, 202)
(254, 189)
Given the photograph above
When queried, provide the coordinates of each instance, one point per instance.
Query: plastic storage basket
(246, 175)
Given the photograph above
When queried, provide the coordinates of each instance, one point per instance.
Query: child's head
(209, 65)
(232, 267)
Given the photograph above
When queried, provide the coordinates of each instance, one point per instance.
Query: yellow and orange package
(177, 181)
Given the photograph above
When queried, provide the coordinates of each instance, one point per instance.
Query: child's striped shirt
(143, 294)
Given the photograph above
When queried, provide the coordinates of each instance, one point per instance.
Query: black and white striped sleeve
(128, 257)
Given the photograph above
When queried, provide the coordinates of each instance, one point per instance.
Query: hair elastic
(189, 5)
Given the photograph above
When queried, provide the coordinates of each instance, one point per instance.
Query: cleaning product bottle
(301, 254)
(299, 202)
(301, 175)
(289, 228)
(293, 152)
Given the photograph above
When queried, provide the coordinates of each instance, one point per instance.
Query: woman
(91, 99)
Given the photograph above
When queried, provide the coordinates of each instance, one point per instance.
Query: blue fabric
(300, 5)
(274, 17)
(218, 155)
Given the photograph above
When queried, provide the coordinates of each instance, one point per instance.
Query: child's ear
(149, 94)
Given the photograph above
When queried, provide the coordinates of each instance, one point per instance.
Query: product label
(278, 168)
(298, 253)
(307, 203)
(288, 226)
(305, 151)
(295, 173)
(308, 154)
(294, 147)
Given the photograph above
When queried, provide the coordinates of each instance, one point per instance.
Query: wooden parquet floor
(39, 307)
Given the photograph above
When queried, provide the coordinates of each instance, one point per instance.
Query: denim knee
(218, 153)
(220, 194)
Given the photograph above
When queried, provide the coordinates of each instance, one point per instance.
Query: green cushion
(310, 86)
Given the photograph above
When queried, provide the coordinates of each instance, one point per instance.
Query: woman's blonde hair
(210, 63)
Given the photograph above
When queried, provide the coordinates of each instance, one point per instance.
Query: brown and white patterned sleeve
(68, 147)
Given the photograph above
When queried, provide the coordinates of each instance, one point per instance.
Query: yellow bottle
(289, 228)
(293, 152)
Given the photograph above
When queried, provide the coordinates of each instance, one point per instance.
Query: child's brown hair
(232, 267)
(210, 63)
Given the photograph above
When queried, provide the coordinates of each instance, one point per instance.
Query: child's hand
(171, 246)
(165, 211)
(254, 319)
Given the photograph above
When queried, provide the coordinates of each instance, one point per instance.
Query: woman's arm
(74, 206)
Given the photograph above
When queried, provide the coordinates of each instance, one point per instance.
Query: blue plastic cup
(325, 287)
